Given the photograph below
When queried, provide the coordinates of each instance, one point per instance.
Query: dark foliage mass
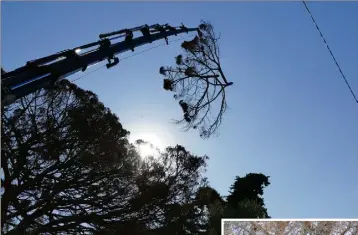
(244, 201)
(68, 168)
(249, 188)
(62, 152)
(199, 82)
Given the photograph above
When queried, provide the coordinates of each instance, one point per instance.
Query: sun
(146, 150)
(151, 147)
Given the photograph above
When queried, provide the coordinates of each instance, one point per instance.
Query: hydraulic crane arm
(44, 72)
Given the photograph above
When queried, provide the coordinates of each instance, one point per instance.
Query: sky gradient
(290, 114)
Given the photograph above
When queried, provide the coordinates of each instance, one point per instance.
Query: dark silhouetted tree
(166, 200)
(248, 191)
(68, 169)
(244, 201)
(67, 165)
(199, 82)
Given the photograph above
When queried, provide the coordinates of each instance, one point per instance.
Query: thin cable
(88, 73)
(330, 51)
(135, 54)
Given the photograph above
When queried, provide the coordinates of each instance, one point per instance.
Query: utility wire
(88, 73)
(135, 54)
(330, 51)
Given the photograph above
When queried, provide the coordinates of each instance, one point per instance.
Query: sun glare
(151, 147)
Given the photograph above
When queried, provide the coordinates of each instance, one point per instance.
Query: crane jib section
(44, 72)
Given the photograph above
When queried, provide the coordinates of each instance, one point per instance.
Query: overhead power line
(330, 51)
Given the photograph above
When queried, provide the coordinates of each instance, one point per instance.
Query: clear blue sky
(291, 116)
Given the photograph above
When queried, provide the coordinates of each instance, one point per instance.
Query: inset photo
(289, 227)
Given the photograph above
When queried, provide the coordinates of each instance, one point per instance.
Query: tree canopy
(68, 168)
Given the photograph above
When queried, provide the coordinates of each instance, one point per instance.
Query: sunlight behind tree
(148, 144)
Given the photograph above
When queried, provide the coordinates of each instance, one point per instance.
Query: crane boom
(44, 72)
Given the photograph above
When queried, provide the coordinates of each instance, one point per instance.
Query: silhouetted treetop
(66, 163)
(249, 188)
(199, 82)
(68, 168)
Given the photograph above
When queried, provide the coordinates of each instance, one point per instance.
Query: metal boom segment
(44, 72)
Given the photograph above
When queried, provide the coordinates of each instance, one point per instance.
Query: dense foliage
(68, 168)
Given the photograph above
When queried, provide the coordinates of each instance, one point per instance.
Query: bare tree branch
(199, 82)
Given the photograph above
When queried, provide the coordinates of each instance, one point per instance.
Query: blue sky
(290, 113)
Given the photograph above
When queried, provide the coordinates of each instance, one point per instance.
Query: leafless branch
(199, 82)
